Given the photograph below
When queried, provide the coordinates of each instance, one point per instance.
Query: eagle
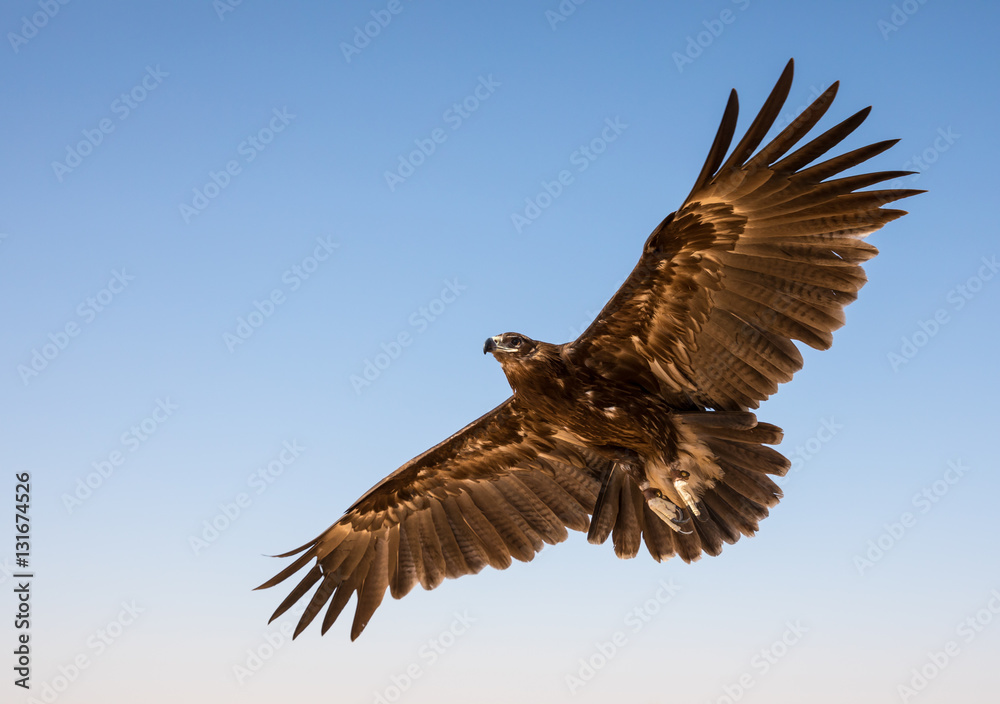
(640, 429)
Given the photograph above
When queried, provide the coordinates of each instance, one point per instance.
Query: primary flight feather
(641, 428)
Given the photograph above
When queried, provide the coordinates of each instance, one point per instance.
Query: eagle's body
(641, 428)
(625, 423)
(588, 408)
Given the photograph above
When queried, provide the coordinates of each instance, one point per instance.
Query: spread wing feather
(500, 488)
(765, 250)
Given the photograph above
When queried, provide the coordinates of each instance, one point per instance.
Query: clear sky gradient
(218, 218)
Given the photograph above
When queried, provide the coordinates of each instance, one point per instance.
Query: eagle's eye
(515, 341)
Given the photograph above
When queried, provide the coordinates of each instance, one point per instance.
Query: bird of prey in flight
(641, 428)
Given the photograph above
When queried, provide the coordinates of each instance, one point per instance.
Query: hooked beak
(494, 344)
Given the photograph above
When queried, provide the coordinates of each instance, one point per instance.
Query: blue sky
(200, 247)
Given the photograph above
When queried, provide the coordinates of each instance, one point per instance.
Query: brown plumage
(644, 421)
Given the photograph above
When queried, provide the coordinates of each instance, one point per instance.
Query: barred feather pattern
(765, 250)
(490, 494)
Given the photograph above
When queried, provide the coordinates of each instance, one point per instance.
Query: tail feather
(606, 509)
(657, 536)
(734, 505)
(627, 533)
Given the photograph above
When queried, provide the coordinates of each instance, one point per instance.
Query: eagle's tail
(732, 506)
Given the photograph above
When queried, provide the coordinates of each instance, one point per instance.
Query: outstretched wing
(765, 250)
(498, 489)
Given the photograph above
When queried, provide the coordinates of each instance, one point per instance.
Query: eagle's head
(525, 361)
(510, 345)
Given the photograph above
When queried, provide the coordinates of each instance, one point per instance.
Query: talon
(682, 488)
(682, 519)
(668, 513)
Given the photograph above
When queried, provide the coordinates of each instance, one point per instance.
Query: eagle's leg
(666, 510)
(670, 513)
(680, 478)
